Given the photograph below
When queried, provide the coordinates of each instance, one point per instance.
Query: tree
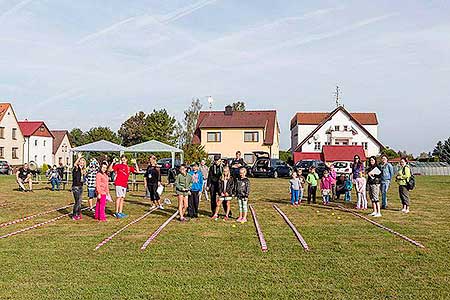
(101, 133)
(390, 153)
(286, 156)
(194, 153)
(161, 126)
(77, 137)
(190, 122)
(238, 106)
(132, 130)
(442, 150)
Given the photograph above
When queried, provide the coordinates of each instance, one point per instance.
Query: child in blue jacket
(196, 190)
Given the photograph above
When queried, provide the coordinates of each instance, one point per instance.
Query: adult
(215, 172)
(23, 175)
(236, 164)
(373, 185)
(196, 189)
(205, 170)
(403, 176)
(357, 170)
(340, 186)
(123, 171)
(183, 185)
(78, 173)
(152, 181)
(387, 173)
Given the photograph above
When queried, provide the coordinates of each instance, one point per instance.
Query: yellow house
(11, 137)
(222, 133)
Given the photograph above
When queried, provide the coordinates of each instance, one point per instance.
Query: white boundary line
(155, 234)
(262, 240)
(297, 234)
(32, 216)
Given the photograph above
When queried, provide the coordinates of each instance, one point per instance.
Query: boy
(196, 189)
(23, 176)
(242, 190)
(91, 182)
(311, 180)
(294, 189)
(348, 186)
(54, 178)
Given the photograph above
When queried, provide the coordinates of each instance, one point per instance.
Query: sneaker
(153, 206)
(372, 214)
(183, 219)
(122, 215)
(239, 219)
(116, 215)
(161, 207)
(215, 217)
(403, 210)
(377, 215)
(75, 218)
(243, 220)
(225, 218)
(406, 211)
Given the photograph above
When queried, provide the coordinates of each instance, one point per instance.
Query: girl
(91, 179)
(226, 190)
(361, 183)
(196, 190)
(373, 185)
(78, 173)
(183, 185)
(102, 189)
(294, 189)
(54, 177)
(403, 176)
(333, 177)
(242, 190)
(348, 186)
(326, 184)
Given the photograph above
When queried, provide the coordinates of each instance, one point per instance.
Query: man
(387, 173)
(237, 164)
(122, 171)
(23, 176)
(215, 172)
(205, 170)
(152, 181)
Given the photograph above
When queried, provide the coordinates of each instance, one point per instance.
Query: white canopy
(100, 146)
(155, 146)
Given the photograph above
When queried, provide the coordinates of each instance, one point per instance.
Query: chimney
(228, 110)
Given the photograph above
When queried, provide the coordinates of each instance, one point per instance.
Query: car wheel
(275, 174)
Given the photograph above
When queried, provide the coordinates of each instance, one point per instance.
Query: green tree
(390, 153)
(194, 153)
(77, 137)
(442, 150)
(162, 127)
(132, 130)
(190, 122)
(238, 106)
(286, 156)
(101, 133)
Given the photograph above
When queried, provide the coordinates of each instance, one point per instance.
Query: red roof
(342, 153)
(265, 119)
(3, 108)
(59, 136)
(29, 128)
(307, 156)
(315, 118)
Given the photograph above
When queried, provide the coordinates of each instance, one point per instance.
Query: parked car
(265, 166)
(5, 168)
(342, 167)
(165, 164)
(304, 166)
(229, 162)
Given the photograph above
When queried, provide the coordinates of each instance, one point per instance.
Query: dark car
(304, 166)
(235, 172)
(5, 168)
(165, 164)
(265, 166)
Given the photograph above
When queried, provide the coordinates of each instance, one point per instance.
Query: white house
(61, 148)
(38, 142)
(310, 131)
(11, 138)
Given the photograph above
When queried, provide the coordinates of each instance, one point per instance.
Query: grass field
(204, 259)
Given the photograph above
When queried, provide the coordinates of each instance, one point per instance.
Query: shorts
(121, 191)
(92, 193)
(225, 198)
(152, 192)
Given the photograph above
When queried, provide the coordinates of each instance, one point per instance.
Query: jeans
(294, 196)
(193, 204)
(348, 196)
(55, 183)
(384, 190)
(77, 192)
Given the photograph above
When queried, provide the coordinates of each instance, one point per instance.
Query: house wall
(63, 153)
(9, 122)
(40, 153)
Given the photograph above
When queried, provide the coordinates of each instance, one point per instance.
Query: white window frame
(217, 134)
(253, 135)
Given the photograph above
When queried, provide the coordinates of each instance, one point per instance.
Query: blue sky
(87, 63)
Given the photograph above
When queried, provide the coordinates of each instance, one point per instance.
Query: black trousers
(214, 191)
(77, 192)
(312, 194)
(193, 201)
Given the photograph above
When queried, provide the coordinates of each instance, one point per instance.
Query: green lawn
(203, 259)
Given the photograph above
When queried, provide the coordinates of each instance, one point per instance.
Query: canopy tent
(155, 146)
(100, 146)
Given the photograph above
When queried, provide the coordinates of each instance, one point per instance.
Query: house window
(354, 143)
(365, 145)
(215, 137)
(41, 129)
(44, 143)
(2, 152)
(336, 128)
(43, 159)
(15, 152)
(35, 142)
(60, 160)
(336, 143)
(249, 158)
(212, 155)
(2, 132)
(345, 143)
(35, 158)
(251, 136)
(316, 145)
(327, 143)
(345, 128)
(14, 133)
(67, 161)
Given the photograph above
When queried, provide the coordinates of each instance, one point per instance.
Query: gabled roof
(100, 146)
(264, 119)
(29, 128)
(3, 108)
(342, 153)
(59, 137)
(330, 115)
(315, 118)
(153, 146)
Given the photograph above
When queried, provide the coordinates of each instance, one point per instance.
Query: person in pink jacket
(102, 187)
(326, 185)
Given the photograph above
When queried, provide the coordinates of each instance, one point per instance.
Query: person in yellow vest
(403, 176)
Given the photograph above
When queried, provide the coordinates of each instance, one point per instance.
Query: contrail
(187, 10)
(15, 9)
(104, 31)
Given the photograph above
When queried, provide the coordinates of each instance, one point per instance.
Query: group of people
(373, 180)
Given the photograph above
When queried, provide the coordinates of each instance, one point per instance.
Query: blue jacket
(197, 181)
(387, 172)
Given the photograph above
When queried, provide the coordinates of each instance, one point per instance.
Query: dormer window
(345, 128)
(41, 129)
(336, 128)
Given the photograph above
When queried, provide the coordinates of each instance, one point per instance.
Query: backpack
(411, 183)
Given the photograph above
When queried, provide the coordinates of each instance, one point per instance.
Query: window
(2, 132)
(214, 137)
(345, 143)
(251, 136)
(44, 143)
(336, 143)
(44, 159)
(354, 143)
(317, 146)
(67, 161)
(336, 128)
(345, 128)
(42, 129)
(35, 142)
(365, 145)
(35, 158)
(15, 153)
(327, 143)
(249, 158)
(14, 133)
(212, 155)
(2, 152)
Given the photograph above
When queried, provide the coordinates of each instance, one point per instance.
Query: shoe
(403, 210)
(183, 219)
(238, 219)
(117, 215)
(225, 218)
(161, 207)
(243, 220)
(153, 206)
(383, 207)
(122, 215)
(406, 211)
(372, 214)
(75, 218)
(215, 217)
(377, 215)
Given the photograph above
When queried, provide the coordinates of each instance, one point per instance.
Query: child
(361, 183)
(242, 190)
(91, 179)
(78, 173)
(333, 177)
(54, 177)
(348, 186)
(326, 184)
(311, 180)
(102, 189)
(226, 190)
(294, 189)
(183, 185)
(196, 189)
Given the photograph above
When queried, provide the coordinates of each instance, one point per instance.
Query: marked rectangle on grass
(32, 216)
(108, 239)
(155, 234)
(294, 229)
(261, 238)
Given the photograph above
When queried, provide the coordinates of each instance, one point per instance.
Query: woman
(78, 173)
(403, 176)
(183, 184)
(226, 190)
(373, 185)
(102, 189)
(357, 170)
(152, 180)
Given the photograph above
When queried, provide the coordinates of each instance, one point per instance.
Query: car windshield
(340, 164)
(304, 164)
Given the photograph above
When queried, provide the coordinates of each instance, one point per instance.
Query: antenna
(210, 101)
(337, 96)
